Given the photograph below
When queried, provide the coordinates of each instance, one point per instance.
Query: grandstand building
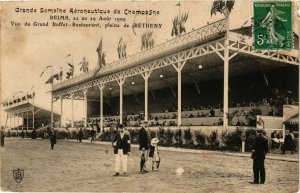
(211, 76)
(24, 115)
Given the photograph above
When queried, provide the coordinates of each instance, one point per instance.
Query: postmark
(272, 25)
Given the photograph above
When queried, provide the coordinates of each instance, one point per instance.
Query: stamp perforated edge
(292, 21)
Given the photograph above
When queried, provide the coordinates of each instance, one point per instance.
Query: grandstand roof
(212, 67)
(40, 112)
(294, 120)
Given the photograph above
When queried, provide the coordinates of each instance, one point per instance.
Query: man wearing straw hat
(144, 141)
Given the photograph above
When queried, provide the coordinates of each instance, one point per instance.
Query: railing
(16, 104)
(194, 37)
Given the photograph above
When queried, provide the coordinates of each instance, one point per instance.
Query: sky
(26, 51)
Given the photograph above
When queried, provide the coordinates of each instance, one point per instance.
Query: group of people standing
(147, 147)
(285, 144)
(80, 135)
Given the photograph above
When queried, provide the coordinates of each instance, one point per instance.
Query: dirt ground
(85, 167)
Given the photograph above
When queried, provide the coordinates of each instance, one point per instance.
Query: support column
(61, 110)
(10, 122)
(5, 126)
(121, 81)
(22, 121)
(18, 123)
(27, 122)
(14, 121)
(225, 90)
(146, 76)
(179, 99)
(85, 107)
(33, 118)
(101, 87)
(178, 67)
(72, 109)
(51, 121)
(226, 58)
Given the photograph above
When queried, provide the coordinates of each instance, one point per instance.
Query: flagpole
(51, 122)
(60, 73)
(179, 13)
(73, 67)
(179, 19)
(33, 95)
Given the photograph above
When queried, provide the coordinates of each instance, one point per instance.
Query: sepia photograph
(150, 96)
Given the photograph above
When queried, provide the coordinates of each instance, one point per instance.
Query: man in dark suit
(52, 139)
(260, 149)
(288, 142)
(80, 135)
(121, 144)
(93, 133)
(144, 141)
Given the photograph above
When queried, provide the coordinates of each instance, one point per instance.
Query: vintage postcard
(150, 96)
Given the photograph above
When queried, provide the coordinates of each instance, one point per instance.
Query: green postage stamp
(272, 25)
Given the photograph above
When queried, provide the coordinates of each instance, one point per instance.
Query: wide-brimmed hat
(154, 141)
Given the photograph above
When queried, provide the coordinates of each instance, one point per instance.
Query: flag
(101, 59)
(178, 4)
(29, 96)
(70, 72)
(58, 76)
(99, 49)
(216, 7)
(68, 55)
(179, 24)
(222, 6)
(182, 22)
(50, 80)
(61, 75)
(121, 49)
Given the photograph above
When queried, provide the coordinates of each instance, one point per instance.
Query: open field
(85, 167)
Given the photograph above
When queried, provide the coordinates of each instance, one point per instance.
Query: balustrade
(197, 36)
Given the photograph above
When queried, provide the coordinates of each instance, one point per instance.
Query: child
(154, 155)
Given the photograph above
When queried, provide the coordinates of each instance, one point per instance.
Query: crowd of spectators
(167, 116)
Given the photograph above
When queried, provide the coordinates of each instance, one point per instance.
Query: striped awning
(294, 120)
